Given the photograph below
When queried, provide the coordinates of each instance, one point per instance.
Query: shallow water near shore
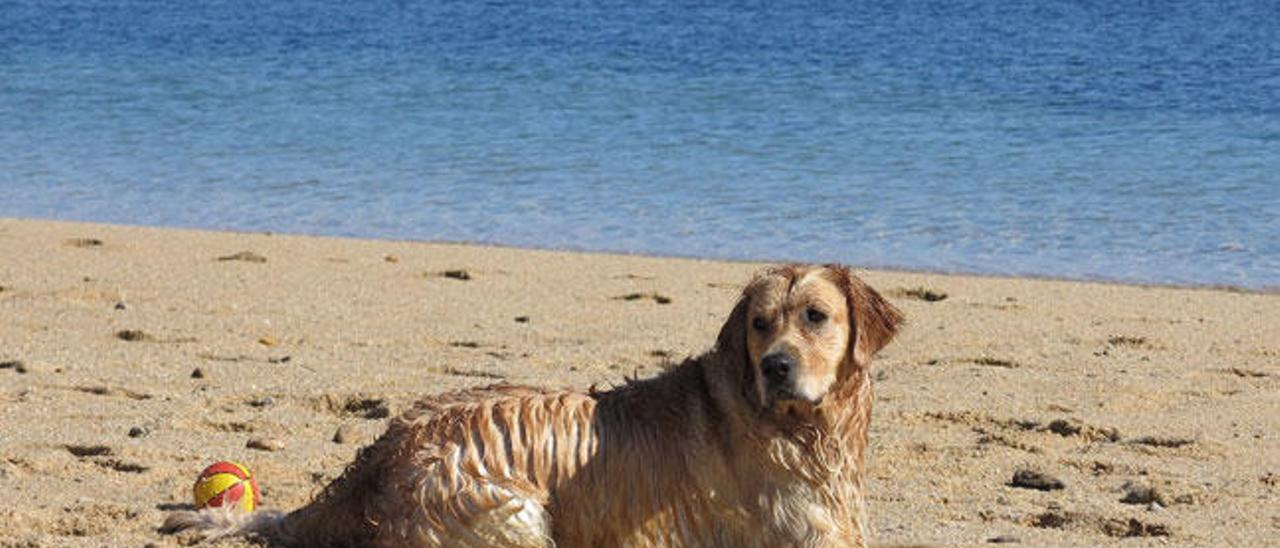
(1114, 142)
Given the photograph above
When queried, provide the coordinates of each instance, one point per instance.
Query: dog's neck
(820, 448)
(835, 428)
(846, 414)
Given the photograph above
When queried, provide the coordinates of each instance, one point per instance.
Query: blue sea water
(1130, 141)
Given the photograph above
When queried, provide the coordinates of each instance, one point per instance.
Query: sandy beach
(132, 357)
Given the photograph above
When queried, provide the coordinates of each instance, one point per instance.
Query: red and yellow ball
(227, 484)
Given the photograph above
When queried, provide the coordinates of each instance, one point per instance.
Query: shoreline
(1230, 288)
(131, 357)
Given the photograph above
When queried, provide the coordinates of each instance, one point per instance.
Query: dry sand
(132, 357)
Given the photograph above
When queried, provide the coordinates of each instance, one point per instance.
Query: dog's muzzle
(780, 370)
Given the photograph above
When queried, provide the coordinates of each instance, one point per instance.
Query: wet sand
(1043, 412)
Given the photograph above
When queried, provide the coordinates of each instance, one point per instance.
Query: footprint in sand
(82, 451)
(121, 466)
(90, 451)
(18, 366)
(459, 274)
(138, 335)
(995, 362)
(656, 297)
(1132, 527)
(245, 256)
(82, 242)
(919, 294)
(476, 373)
(1162, 441)
(358, 406)
(113, 392)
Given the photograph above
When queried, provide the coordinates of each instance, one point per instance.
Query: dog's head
(801, 330)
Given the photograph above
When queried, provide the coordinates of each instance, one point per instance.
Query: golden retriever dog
(758, 442)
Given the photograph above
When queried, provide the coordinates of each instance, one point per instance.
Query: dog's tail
(217, 523)
(335, 518)
(330, 522)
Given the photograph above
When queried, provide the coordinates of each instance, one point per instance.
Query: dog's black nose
(777, 367)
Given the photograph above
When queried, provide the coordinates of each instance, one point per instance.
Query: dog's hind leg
(519, 521)
(482, 515)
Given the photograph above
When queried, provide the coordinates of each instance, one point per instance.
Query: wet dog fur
(759, 442)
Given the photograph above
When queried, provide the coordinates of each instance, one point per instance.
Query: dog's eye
(760, 324)
(815, 316)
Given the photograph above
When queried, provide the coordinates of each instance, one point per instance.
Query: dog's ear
(732, 340)
(731, 345)
(875, 321)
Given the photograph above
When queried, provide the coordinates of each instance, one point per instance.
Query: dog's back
(513, 466)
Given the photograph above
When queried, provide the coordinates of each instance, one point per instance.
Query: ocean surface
(1126, 141)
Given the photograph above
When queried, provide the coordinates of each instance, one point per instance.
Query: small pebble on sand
(462, 275)
(1137, 493)
(1032, 479)
(266, 401)
(265, 444)
(133, 335)
(346, 434)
